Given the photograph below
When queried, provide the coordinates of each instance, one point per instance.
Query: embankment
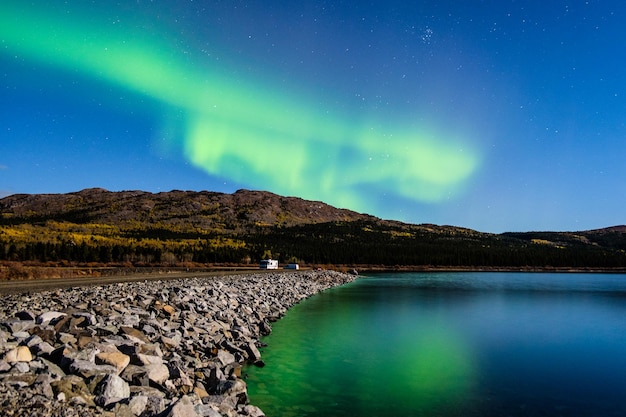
(150, 348)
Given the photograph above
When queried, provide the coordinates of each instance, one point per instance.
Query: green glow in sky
(245, 130)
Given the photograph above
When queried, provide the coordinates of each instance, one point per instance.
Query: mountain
(138, 227)
(204, 209)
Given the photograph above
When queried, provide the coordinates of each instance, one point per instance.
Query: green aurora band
(239, 130)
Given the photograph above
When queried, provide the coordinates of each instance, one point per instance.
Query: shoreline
(385, 268)
(16, 277)
(148, 348)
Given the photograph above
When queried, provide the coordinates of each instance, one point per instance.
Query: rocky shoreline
(151, 348)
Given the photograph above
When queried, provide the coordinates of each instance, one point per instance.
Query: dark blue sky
(493, 115)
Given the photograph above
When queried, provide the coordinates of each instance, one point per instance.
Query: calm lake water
(450, 344)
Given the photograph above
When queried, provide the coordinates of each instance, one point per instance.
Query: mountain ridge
(268, 206)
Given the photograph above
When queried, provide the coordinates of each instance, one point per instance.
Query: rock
(25, 315)
(48, 316)
(225, 357)
(88, 369)
(52, 369)
(155, 406)
(19, 354)
(46, 334)
(158, 373)
(20, 380)
(200, 391)
(117, 359)
(265, 328)
(72, 386)
(235, 388)
(20, 336)
(253, 352)
(208, 410)
(182, 408)
(43, 382)
(62, 356)
(134, 334)
(14, 325)
(90, 319)
(110, 390)
(67, 338)
(21, 367)
(253, 411)
(138, 404)
(169, 342)
(41, 348)
(169, 309)
(142, 359)
(136, 375)
(122, 410)
(61, 324)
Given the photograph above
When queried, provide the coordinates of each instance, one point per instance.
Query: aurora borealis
(430, 112)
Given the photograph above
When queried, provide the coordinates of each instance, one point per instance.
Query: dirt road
(25, 286)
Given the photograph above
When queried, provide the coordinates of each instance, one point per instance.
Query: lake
(450, 344)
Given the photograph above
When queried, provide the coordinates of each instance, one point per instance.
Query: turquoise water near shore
(450, 344)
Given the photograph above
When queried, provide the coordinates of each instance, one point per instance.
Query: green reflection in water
(358, 351)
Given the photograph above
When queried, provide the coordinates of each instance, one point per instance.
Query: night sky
(494, 115)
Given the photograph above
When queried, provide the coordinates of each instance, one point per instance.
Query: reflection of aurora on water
(353, 351)
(450, 345)
(241, 130)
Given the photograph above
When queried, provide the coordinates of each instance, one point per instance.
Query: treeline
(366, 243)
(94, 252)
(356, 242)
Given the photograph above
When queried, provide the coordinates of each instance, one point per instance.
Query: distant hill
(138, 227)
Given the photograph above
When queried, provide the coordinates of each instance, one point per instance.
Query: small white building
(268, 264)
(292, 266)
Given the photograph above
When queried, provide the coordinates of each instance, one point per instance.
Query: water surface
(450, 344)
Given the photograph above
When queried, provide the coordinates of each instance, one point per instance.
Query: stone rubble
(153, 348)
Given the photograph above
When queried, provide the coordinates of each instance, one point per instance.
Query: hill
(239, 211)
(186, 227)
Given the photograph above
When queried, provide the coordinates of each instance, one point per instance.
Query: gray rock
(253, 411)
(43, 382)
(252, 351)
(155, 405)
(158, 373)
(88, 369)
(138, 404)
(208, 410)
(21, 367)
(21, 335)
(47, 316)
(225, 357)
(52, 369)
(15, 325)
(110, 390)
(184, 407)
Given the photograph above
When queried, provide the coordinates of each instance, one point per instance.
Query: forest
(360, 242)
